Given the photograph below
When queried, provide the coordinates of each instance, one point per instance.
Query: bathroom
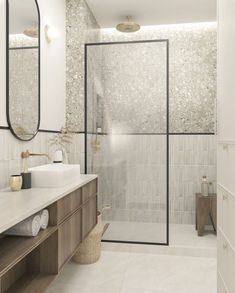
(117, 116)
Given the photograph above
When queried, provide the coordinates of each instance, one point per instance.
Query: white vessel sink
(54, 175)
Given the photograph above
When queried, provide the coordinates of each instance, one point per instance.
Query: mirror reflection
(23, 68)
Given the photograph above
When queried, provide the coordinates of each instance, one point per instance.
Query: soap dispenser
(205, 186)
(58, 157)
(26, 175)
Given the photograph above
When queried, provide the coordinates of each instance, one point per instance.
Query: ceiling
(153, 12)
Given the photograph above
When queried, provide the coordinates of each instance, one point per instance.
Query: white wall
(226, 73)
(53, 65)
(3, 121)
(226, 94)
(226, 145)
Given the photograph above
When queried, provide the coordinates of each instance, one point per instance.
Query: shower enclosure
(127, 137)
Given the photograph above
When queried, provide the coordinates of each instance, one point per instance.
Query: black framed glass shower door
(127, 137)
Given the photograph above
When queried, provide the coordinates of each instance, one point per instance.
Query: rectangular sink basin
(54, 175)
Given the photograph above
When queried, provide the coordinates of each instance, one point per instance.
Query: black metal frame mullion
(168, 151)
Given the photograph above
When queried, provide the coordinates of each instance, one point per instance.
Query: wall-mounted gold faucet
(27, 154)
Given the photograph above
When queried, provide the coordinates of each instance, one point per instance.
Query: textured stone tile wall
(192, 64)
(134, 87)
(132, 168)
(23, 80)
(81, 28)
(23, 91)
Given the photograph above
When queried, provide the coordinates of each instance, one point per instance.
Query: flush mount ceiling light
(51, 33)
(128, 26)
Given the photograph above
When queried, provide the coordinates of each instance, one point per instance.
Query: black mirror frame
(7, 72)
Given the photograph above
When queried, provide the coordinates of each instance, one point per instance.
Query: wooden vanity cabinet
(68, 205)
(89, 216)
(30, 264)
(69, 237)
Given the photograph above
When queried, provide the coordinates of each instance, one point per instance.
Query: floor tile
(124, 272)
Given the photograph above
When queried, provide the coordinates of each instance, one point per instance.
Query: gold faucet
(27, 154)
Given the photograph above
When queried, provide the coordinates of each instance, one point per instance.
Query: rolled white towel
(44, 219)
(27, 228)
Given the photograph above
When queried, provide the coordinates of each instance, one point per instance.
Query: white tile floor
(187, 266)
(125, 272)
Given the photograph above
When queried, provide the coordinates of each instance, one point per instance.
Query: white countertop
(17, 206)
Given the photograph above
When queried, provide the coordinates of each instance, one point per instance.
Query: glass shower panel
(126, 137)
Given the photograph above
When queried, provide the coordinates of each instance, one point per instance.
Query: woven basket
(89, 250)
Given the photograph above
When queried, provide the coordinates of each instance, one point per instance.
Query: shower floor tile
(136, 232)
(180, 235)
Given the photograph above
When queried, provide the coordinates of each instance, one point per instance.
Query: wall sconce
(51, 33)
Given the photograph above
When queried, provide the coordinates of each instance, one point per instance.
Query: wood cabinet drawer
(89, 216)
(69, 204)
(226, 261)
(220, 285)
(89, 190)
(226, 214)
(69, 237)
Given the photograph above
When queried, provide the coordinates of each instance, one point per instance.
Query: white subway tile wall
(11, 148)
(132, 172)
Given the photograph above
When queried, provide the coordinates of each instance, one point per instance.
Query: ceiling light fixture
(31, 32)
(128, 26)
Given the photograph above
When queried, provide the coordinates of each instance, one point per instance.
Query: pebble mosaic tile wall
(192, 52)
(81, 28)
(134, 81)
(23, 90)
(23, 80)
(192, 64)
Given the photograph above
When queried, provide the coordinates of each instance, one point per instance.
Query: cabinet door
(69, 237)
(67, 205)
(226, 261)
(89, 216)
(89, 190)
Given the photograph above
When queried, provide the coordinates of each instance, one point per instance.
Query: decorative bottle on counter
(205, 186)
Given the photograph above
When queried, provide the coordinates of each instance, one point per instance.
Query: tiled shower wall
(192, 58)
(191, 157)
(134, 87)
(135, 188)
(132, 172)
(192, 68)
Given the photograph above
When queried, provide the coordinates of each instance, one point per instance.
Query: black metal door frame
(166, 41)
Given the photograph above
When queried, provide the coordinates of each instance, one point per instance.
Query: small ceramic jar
(16, 182)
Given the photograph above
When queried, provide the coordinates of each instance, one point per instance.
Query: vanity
(31, 264)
